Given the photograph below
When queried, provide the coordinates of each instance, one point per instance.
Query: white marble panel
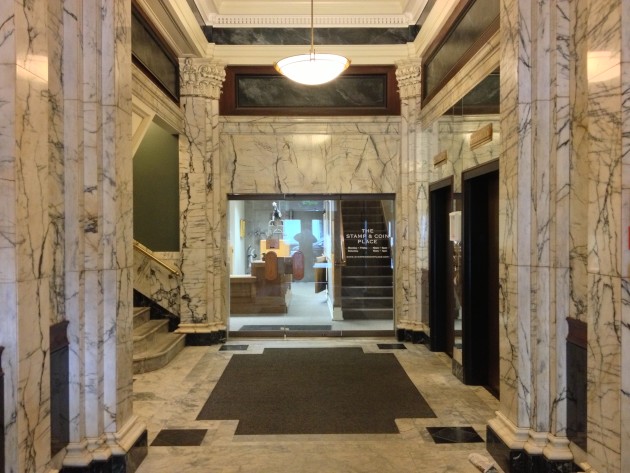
(8, 339)
(604, 363)
(92, 358)
(153, 280)
(193, 286)
(306, 162)
(193, 142)
(192, 198)
(33, 393)
(31, 174)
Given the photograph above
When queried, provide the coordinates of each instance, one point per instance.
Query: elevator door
(481, 277)
(441, 318)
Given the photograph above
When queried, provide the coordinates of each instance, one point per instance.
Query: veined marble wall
(453, 136)
(160, 282)
(564, 228)
(355, 155)
(65, 225)
(331, 155)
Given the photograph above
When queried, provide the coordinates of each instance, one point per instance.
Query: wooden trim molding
(262, 91)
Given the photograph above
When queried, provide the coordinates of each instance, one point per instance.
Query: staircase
(153, 345)
(367, 278)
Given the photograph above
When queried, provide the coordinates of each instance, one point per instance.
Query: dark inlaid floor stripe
(286, 327)
(454, 435)
(391, 346)
(234, 348)
(179, 438)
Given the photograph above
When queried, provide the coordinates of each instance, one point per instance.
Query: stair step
(150, 328)
(349, 281)
(141, 315)
(368, 314)
(366, 270)
(367, 303)
(367, 291)
(164, 347)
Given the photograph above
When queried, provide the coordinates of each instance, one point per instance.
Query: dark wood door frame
(480, 298)
(441, 318)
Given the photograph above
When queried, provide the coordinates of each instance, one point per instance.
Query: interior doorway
(289, 265)
(441, 289)
(481, 276)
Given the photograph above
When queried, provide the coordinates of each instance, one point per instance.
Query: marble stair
(367, 277)
(153, 345)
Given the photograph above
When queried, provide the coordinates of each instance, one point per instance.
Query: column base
(518, 450)
(127, 450)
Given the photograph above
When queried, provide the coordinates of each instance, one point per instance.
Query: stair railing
(149, 254)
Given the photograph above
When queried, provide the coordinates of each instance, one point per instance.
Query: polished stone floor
(169, 400)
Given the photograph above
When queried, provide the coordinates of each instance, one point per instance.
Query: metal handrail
(149, 254)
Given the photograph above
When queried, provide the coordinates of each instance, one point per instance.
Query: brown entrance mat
(314, 391)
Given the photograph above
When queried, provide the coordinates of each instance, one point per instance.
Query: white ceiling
(341, 13)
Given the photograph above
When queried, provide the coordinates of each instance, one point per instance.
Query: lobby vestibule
(170, 401)
(473, 166)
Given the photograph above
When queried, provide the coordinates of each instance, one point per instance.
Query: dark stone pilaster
(1, 413)
(59, 387)
(458, 370)
(206, 338)
(511, 461)
(413, 336)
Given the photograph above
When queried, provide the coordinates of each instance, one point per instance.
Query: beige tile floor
(172, 397)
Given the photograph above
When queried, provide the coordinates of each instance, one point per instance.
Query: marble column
(25, 246)
(203, 303)
(96, 73)
(409, 206)
(561, 226)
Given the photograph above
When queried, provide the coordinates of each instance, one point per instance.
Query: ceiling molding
(268, 54)
(265, 12)
(320, 21)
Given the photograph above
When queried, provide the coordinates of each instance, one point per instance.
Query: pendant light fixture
(312, 68)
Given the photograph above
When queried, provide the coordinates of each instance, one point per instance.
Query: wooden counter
(255, 295)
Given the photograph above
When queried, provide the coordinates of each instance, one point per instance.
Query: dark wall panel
(1, 413)
(59, 387)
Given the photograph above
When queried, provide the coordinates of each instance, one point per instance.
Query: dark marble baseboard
(458, 370)
(540, 464)
(1, 413)
(128, 463)
(519, 461)
(413, 336)
(206, 339)
(510, 461)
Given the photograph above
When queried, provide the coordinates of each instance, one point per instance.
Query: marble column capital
(409, 76)
(201, 77)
